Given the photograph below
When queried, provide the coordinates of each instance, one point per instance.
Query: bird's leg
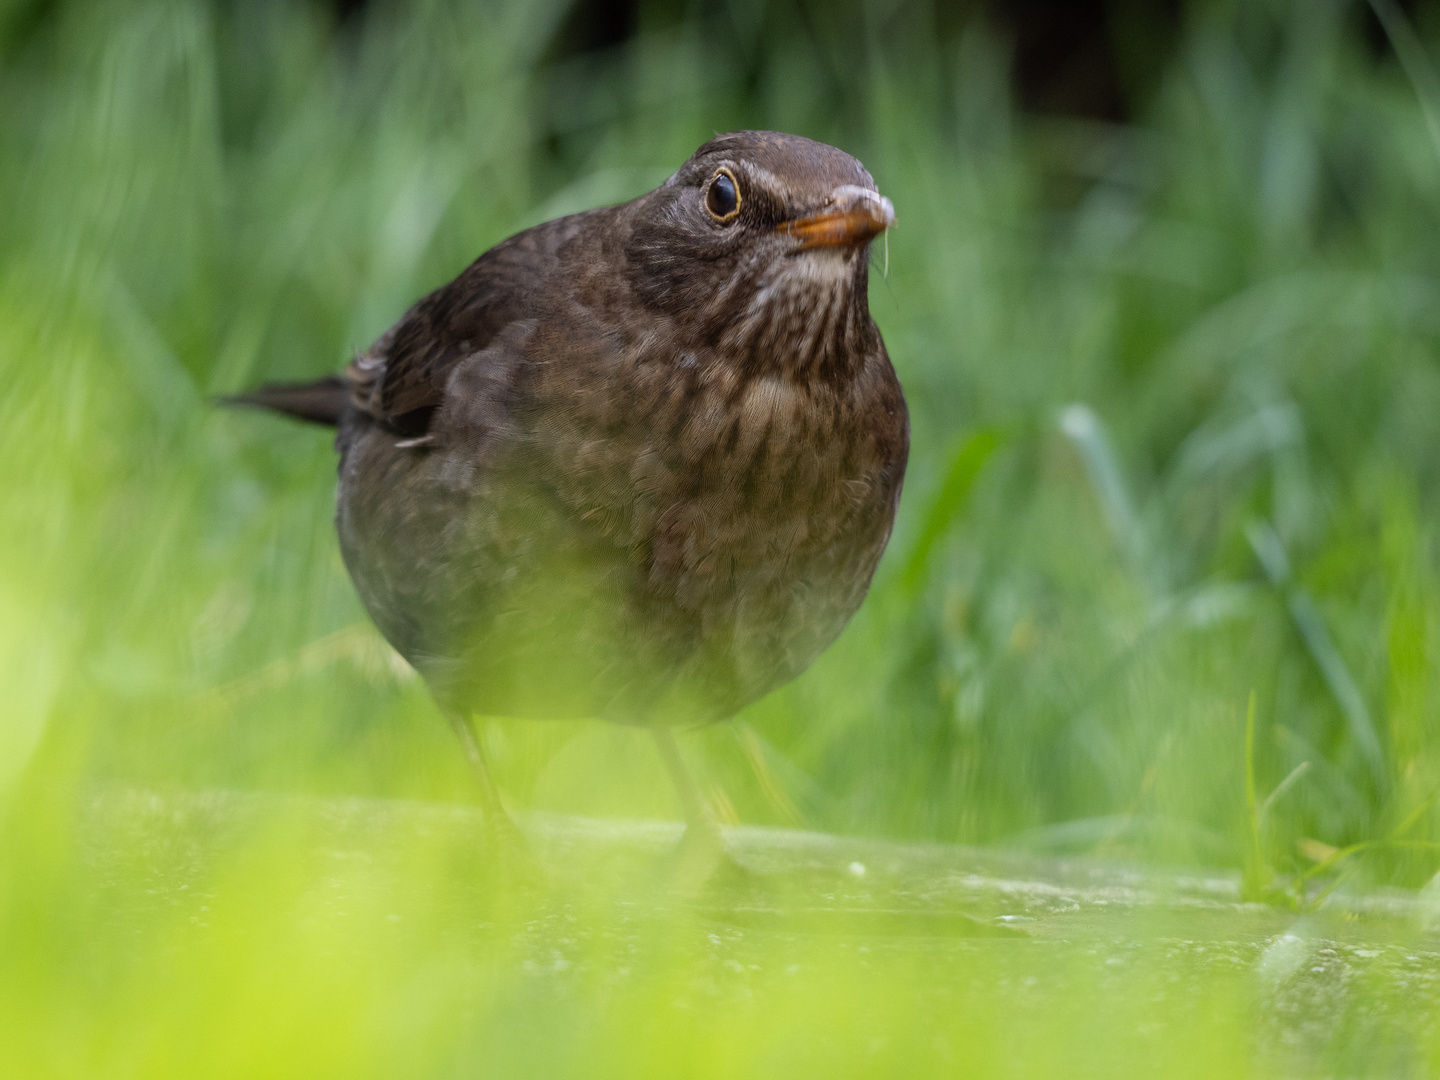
(700, 824)
(499, 822)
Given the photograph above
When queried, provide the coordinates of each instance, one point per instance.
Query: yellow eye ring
(722, 196)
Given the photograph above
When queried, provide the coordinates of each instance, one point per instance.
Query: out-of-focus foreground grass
(1176, 408)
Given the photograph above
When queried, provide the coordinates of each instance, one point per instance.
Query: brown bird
(638, 463)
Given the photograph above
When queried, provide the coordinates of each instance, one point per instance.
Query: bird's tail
(319, 402)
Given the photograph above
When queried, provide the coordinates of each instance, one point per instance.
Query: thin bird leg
(700, 822)
(489, 794)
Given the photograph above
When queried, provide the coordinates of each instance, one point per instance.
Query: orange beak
(853, 216)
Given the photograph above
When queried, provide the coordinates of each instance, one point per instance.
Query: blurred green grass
(1175, 396)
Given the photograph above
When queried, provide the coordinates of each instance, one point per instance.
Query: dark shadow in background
(1096, 59)
(1093, 58)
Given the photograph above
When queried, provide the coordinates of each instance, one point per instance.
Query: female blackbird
(638, 463)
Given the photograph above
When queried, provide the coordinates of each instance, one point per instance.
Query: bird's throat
(806, 317)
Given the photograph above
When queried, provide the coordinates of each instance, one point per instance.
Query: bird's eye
(722, 197)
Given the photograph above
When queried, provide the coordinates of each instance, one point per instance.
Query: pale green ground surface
(1126, 958)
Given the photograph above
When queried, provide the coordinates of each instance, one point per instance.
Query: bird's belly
(512, 600)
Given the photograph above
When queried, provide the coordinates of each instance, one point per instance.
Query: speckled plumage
(636, 463)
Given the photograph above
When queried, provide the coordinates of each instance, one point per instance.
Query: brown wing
(400, 380)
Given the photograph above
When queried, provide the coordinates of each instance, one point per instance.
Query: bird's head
(759, 245)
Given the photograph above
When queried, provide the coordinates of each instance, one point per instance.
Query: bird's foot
(509, 852)
(702, 859)
(505, 835)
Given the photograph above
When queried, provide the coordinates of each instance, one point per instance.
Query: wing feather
(400, 380)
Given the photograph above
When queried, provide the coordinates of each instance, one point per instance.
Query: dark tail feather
(319, 402)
